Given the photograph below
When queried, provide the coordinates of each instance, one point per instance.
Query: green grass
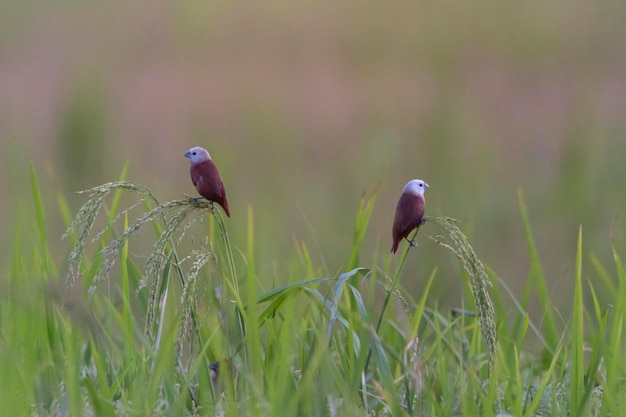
(134, 334)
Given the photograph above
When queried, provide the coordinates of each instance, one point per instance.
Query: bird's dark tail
(394, 247)
(224, 205)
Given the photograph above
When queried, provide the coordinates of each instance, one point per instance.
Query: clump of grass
(176, 217)
(291, 357)
(479, 279)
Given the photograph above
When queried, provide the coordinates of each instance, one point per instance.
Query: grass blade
(577, 370)
(537, 278)
(48, 266)
(360, 227)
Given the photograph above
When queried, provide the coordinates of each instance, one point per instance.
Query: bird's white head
(197, 154)
(415, 187)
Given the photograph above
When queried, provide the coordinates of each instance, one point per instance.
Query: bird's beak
(426, 185)
(187, 155)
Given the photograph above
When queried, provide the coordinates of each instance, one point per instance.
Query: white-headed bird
(206, 177)
(409, 212)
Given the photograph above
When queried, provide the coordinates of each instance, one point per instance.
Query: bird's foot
(411, 243)
(423, 221)
(197, 200)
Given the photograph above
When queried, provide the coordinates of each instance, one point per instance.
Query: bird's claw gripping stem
(411, 243)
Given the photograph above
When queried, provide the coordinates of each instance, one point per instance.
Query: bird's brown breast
(409, 213)
(208, 182)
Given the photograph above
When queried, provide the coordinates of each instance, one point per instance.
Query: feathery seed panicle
(173, 213)
(85, 219)
(155, 264)
(187, 300)
(478, 278)
(175, 219)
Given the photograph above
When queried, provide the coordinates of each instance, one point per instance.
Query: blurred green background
(306, 105)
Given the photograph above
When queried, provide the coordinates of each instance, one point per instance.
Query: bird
(409, 212)
(223, 373)
(206, 177)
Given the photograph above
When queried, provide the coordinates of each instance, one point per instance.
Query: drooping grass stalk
(177, 218)
(479, 279)
(86, 217)
(157, 264)
(187, 302)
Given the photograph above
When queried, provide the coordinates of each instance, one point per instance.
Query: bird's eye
(193, 153)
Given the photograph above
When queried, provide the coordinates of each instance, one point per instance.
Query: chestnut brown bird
(206, 177)
(409, 212)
